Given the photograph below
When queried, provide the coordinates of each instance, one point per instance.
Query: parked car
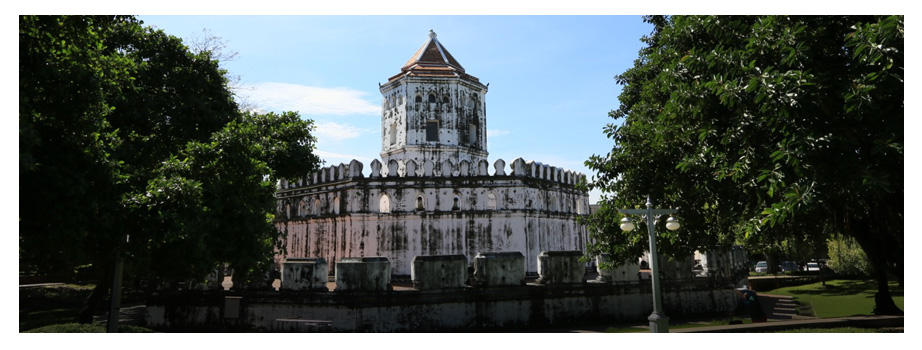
(761, 267)
(789, 266)
(813, 267)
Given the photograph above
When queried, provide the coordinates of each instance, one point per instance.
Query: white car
(761, 266)
(812, 266)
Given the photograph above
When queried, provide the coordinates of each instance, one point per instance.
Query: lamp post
(659, 322)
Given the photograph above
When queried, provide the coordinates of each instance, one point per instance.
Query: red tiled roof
(433, 60)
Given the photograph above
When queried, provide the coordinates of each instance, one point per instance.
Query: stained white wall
(531, 214)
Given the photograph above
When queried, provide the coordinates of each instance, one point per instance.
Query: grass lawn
(839, 297)
(48, 305)
(843, 330)
(31, 319)
(54, 308)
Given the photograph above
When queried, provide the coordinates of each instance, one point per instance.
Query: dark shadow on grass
(39, 318)
(845, 288)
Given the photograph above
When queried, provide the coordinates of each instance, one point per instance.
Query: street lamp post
(659, 322)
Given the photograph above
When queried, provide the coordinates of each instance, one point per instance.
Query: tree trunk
(91, 304)
(883, 301)
(874, 248)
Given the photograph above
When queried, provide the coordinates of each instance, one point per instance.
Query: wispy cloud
(308, 100)
(338, 132)
(495, 133)
(336, 158)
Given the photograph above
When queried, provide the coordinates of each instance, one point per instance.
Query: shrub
(847, 258)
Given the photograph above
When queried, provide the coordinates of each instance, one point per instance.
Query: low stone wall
(464, 309)
(560, 267)
(620, 273)
(366, 274)
(439, 271)
(497, 297)
(764, 283)
(305, 274)
(499, 269)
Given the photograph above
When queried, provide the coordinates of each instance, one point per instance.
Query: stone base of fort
(501, 308)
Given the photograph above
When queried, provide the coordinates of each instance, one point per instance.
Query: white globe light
(627, 225)
(672, 224)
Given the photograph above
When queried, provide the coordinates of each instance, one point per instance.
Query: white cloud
(337, 131)
(308, 100)
(495, 133)
(329, 157)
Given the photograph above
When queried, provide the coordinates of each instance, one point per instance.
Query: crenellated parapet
(445, 169)
(405, 186)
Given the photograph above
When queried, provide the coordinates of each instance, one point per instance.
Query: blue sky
(551, 77)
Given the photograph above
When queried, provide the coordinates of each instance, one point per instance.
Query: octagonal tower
(432, 110)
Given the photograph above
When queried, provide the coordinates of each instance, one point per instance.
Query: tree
(762, 129)
(67, 175)
(214, 201)
(131, 144)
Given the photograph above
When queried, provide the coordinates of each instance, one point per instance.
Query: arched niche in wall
(456, 201)
(491, 201)
(384, 203)
(420, 202)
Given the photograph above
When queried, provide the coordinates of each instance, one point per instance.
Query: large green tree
(132, 145)
(761, 129)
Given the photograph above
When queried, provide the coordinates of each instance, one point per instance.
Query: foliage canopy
(130, 143)
(760, 129)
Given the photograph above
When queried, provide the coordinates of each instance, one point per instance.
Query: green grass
(842, 330)
(48, 305)
(32, 319)
(86, 328)
(839, 298)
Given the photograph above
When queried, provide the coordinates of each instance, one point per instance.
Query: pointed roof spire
(432, 54)
(433, 59)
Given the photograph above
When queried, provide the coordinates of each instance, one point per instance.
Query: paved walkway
(131, 314)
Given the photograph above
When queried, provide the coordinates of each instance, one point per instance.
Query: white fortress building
(433, 192)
